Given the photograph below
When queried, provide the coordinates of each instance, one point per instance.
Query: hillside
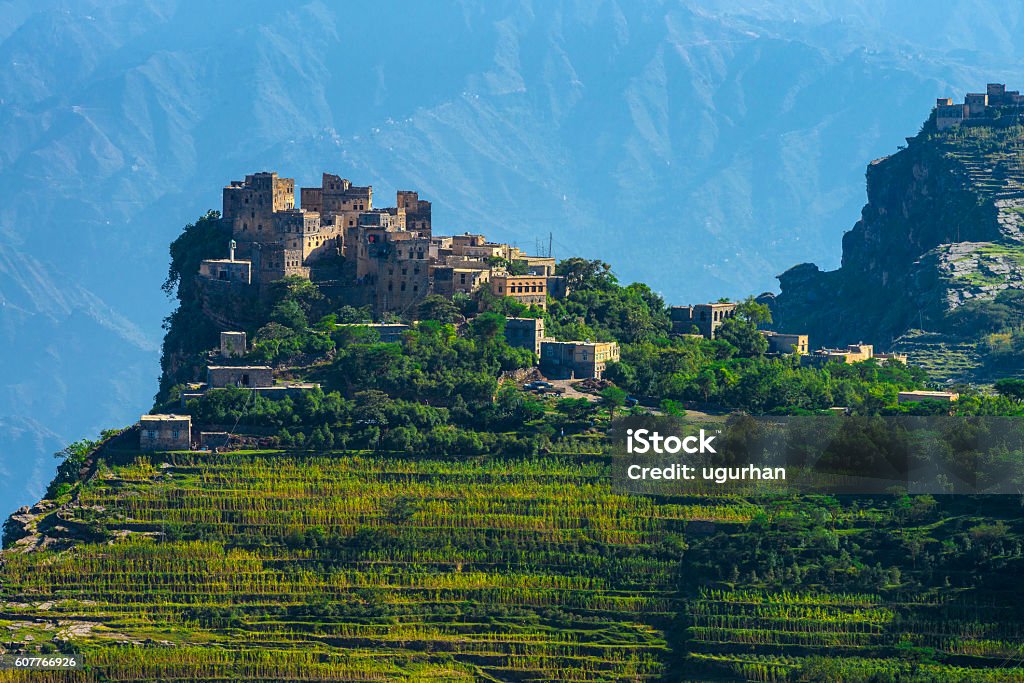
(935, 265)
(641, 130)
(421, 516)
(270, 566)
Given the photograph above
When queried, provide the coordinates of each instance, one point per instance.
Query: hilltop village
(387, 261)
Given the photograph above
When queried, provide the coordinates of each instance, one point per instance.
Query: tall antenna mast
(549, 244)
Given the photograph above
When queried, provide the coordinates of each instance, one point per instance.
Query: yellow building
(531, 290)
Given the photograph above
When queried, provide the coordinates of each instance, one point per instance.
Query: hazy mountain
(697, 146)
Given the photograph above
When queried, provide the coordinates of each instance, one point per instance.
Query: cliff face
(942, 226)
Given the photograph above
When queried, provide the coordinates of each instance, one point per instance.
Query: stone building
(853, 353)
(337, 200)
(706, 318)
(918, 396)
(249, 206)
(403, 273)
(232, 344)
(536, 265)
(530, 290)
(576, 359)
(525, 333)
(245, 376)
(416, 212)
(165, 432)
(275, 261)
(227, 270)
(779, 342)
(948, 114)
(451, 280)
(978, 106)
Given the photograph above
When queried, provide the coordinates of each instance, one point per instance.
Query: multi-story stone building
(451, 280)
(337, 200)
(576, 359)
(530, 290)
(705, 318)
(525, 333)
(417, 212)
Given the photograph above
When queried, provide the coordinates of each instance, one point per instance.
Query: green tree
(290, 314)
(613, 398)
(1011, 388)
(439, 308)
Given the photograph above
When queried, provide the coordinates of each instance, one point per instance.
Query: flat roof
(154, 418)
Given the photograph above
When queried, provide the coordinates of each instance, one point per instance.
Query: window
(175, 434)
(245, 380)
(150, 434)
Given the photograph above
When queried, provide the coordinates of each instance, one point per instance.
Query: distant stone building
(452, 280)
(576, 359)
(245, 376)
(918, 396)
(530, 290)
(232, 344)
(978, 106)
(275, 261)
(403, 273)
(337, 200)
(782, 343)
(249, 206)
(525, 333)
(165, 432)
(228, 270)
(853, 353)
(706, 318)
(417, 212)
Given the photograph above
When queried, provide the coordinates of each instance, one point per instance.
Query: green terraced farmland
(273, 566)
(360, 568)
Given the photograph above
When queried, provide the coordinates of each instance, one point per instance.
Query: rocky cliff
(943, 226)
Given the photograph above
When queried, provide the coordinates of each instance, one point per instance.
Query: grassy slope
(284, 566)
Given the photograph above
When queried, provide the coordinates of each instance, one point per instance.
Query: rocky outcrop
(944, 224)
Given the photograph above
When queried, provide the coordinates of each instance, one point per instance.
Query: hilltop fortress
(387, 257)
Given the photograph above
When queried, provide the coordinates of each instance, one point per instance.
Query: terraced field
(286, 566)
